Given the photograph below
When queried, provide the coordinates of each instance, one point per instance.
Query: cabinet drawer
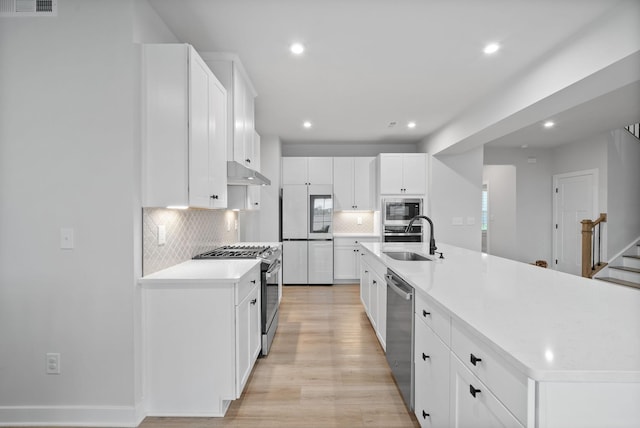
(508, 385)
(475, 406)
(434, 317)
(247, 283)
(373, 262)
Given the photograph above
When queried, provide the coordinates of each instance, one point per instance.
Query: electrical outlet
(53, 363)
(66, 238)
(359, 220)
(235, 224)
(162, 234)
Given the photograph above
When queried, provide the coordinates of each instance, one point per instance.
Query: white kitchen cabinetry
(295, 262)
(373, 293)
(402, 173)
(352, 178)
(200, 343)
(247, 197)
(474, 404)
(184, 130)
(431, 370)
(307, 171)
(346, 257)
(241, 99)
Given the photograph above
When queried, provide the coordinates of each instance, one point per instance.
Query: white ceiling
(370, 62)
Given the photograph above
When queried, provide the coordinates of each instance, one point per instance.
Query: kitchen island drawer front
(507, 384)
(374, 263)
(474, 406)
(247, 283)
(433, 316)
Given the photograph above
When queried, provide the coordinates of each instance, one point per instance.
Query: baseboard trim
(85, 416)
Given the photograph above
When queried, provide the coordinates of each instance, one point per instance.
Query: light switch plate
(359, 220)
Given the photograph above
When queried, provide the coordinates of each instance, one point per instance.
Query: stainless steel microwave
(399, 211)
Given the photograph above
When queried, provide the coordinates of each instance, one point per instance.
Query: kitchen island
(522, 345)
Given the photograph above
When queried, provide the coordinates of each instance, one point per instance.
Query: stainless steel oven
(396, 215)
(270, 257)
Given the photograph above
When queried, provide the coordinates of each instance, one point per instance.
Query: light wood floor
(325, 369)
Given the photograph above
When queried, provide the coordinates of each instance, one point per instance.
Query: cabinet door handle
(425, 414)
(425, 313)
(253, 301)
(424, 357)
(474, 359)
(473, 391)
(366, 271)
(214, 196)
(253, 281)
(247, 160)
(256, 203)
(375, 282)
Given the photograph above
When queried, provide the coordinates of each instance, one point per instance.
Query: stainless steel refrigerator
(307, 234)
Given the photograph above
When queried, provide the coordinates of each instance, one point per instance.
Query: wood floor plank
(325, 369)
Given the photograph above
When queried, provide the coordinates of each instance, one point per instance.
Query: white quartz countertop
(201, 272)
(550, 325)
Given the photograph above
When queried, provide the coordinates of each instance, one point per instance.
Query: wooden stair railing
(590, 264)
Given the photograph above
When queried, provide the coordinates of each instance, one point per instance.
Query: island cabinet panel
(373, 294)
(473, 404)
(431, 378)
(508, 385)
(200, 343)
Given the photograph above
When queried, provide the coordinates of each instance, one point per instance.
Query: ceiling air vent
(28, 8)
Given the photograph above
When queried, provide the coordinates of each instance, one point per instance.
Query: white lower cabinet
(200, 343)
(474, 405)
(460, 382)
(373, 294)
(431, 378)
(346, 257)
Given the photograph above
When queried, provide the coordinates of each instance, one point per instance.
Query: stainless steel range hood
(240, 175)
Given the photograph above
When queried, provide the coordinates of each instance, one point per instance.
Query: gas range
(266, 253)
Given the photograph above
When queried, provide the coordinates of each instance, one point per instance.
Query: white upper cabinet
(352, 183)
(402, 173)
(184, 130)
(302, 170)
(241, 99)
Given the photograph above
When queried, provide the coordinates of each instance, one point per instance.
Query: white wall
(533, 199)
(623, 208)
(502, 231)
(69, 157)
(270, 154)
(455, 191)
(345, 149)
(601, 59)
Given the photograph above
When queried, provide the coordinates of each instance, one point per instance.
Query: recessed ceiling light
(411, 125)
(491, 48)
(306, 124)
(297, 48)
(549, 124)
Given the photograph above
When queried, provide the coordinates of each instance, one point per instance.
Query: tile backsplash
(347, 222)
(188, 233)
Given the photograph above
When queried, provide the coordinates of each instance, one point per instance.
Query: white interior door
(575, 199)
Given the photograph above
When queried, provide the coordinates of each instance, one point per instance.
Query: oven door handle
(274, 268)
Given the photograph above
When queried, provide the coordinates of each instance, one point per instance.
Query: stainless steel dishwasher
(400, 309)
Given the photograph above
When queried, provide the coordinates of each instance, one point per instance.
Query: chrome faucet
(432, 241)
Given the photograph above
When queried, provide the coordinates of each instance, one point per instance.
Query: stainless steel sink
(407, 256)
